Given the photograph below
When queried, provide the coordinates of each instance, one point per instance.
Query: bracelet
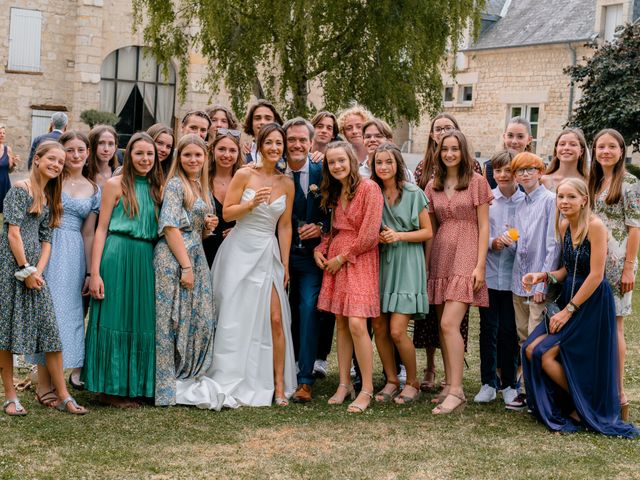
(630, 261)
(88, 274)
(551, 279)
(185, 268)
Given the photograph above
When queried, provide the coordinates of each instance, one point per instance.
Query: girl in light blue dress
(67, 272)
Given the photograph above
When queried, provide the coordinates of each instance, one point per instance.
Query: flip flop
(63, 406)
(19, 409)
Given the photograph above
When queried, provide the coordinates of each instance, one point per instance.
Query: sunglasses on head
(197, 113)
(228, 131)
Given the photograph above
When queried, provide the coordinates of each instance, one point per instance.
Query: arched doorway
(135, 87)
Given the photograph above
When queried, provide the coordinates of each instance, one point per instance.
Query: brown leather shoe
(303, 394)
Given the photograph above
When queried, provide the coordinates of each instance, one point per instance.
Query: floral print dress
(184, 317)
(617, 217)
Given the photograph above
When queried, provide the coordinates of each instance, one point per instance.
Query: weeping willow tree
(385, 54)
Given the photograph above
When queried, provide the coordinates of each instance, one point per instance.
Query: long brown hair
(129, 199)
(154, 132)
(51, 191)
(428, 161)
(401, 168)
(91, 168)
(332, 188)
(465, 167)
(190, 194)
(585, 214)
(582, 160)
(212, 156)
(524, 122)
(76, 135)
(596, 177)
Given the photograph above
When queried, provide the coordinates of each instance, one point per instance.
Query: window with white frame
(612, 19)
(465, 94)
(447, 94)
(24, 40)
(532, 114)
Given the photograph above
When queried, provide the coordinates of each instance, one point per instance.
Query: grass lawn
(316, 440)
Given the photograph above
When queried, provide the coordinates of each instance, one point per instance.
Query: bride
(253, 360)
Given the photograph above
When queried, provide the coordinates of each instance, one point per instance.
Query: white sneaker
(485, 395)
(402, 376)
(509, 395)
(320, 369)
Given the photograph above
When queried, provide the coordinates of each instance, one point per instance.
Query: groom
(305, 277)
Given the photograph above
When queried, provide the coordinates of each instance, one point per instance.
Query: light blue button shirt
(500, 262)
(537, 249)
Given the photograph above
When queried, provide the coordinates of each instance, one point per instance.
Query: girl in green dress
(403, 278)
(120, 342)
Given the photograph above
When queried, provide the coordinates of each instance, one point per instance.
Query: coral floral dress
(454, 254)
(354, 291)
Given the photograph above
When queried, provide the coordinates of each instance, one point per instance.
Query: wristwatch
(22, 267)
(572, 308)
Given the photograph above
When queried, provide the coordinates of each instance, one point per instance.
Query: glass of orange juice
(513, 233)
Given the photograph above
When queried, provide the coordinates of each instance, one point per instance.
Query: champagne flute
(300, 223)
(210, 215)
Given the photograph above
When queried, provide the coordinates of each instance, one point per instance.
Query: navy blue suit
(305, 276)
(53, 135)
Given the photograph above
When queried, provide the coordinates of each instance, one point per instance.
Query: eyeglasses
(227, 131)
(447, 129)
(528, 171)
(370, 136)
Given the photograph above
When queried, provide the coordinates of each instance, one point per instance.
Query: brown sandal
(428, 383)
(48, 399)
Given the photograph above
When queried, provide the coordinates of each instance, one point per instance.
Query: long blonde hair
(585, 213)
(50, 191)
(176, 170)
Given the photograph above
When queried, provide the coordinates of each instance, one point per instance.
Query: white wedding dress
(245, 269)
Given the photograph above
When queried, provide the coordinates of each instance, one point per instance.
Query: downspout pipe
(573, 57)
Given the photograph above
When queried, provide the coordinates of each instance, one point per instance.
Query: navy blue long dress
(5, 182)
(588, 354)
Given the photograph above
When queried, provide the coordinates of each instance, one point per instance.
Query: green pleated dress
(120, 341)
(403, 277)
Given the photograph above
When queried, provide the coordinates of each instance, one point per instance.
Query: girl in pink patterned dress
(349, 258)
(459, 211)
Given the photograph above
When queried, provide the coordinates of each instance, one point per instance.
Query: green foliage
(633, 169)
(385, 54)
(610, 82)
(95, 117)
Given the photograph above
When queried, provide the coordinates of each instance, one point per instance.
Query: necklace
(391, 196)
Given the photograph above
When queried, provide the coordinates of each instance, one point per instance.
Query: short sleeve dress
(354, 291)
(27, 318)
(185, 317)
(454, 253)
(403, 277)
(617, 217)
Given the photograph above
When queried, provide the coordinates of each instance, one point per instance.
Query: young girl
(349, 257)
(517, 137)
(120, 342)
(615, 196)
(165, 140)
(70, 263)
(569, 159)
(570, 359)
(102, 160)
(403, 278)
(426, 334)
(27, 319)
(184, 304)
(225, 160)
(221, 117)
(459, 212)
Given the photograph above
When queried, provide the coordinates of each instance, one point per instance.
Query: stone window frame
(526, 112)
(460, 100)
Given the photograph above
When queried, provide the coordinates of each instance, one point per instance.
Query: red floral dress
(354, 291)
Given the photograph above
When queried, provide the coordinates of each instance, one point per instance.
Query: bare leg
(553, 368)
(364, 354)
(277, 335)
(385, 350)
(399, 324)
(452, 315)
(54, 365)
(533, 345)
(345, 352)
(6, 369)
(45, 389)
(443, 349)
(622, 350)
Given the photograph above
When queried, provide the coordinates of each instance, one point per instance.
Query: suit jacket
(53, 135)
(313, 212)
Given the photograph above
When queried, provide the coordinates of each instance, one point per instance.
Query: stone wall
(504, 77)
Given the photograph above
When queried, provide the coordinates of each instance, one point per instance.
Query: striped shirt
(537, 249)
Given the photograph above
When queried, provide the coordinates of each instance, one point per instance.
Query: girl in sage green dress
(184, 300)
(120, 342)
(403, 277)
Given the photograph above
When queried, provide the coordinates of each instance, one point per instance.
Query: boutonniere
(314, 190)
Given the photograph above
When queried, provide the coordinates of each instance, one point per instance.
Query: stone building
(74, 55)
(515, 68)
